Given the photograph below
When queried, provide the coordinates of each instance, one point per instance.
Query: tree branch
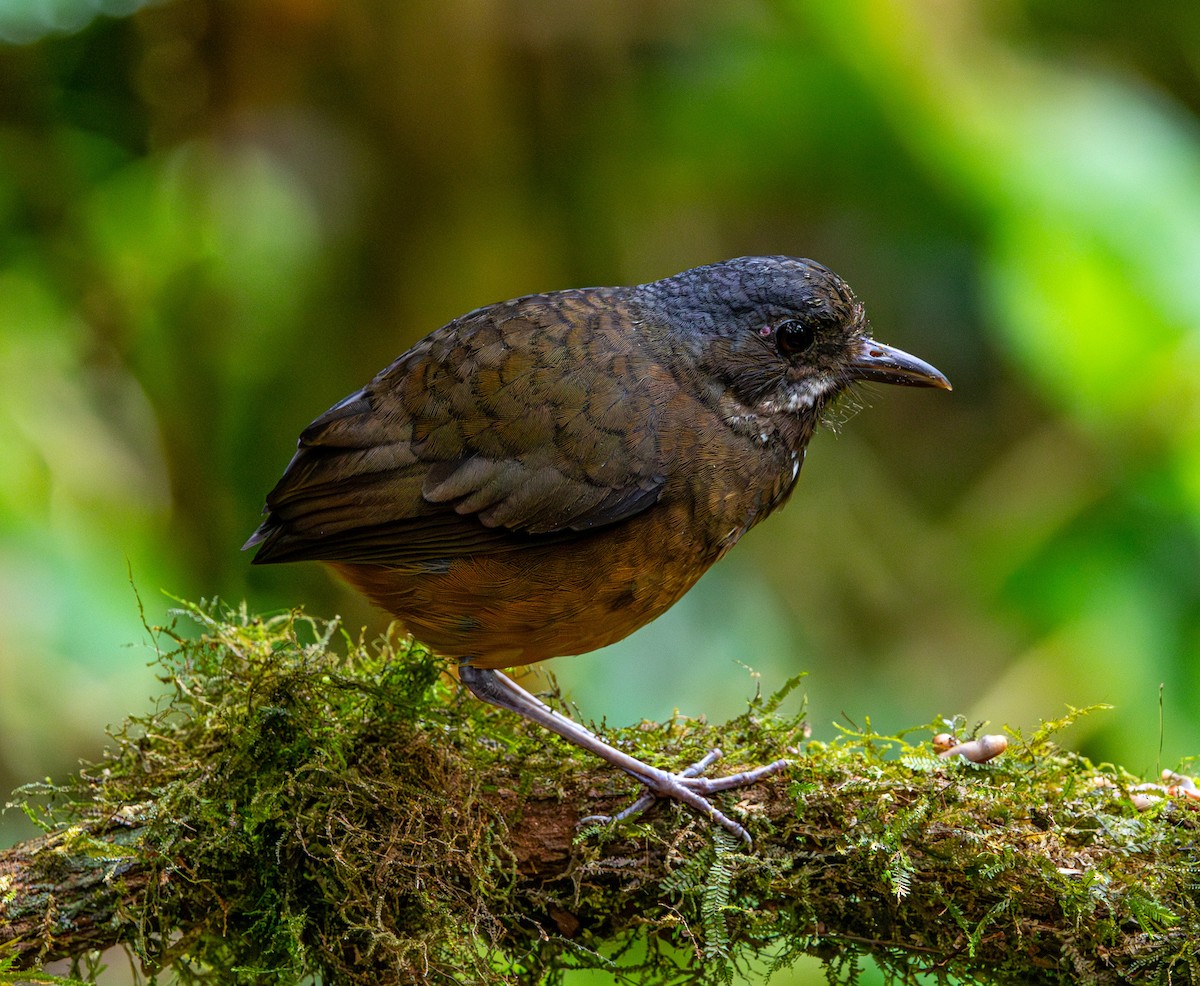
(294, 811)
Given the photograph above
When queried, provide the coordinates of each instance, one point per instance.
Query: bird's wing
(536, 418)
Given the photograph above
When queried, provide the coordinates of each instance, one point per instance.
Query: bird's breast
(549, 598)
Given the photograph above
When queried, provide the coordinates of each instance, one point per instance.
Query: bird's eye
(793, 337)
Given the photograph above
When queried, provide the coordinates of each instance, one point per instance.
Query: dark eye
(792, 336)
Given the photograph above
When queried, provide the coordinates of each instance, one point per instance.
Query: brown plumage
(543, 476)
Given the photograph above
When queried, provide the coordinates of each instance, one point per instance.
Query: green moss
(313, 804)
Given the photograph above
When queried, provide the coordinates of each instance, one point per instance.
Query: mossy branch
(306, 804)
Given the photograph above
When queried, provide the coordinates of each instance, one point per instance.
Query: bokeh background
(216, 219)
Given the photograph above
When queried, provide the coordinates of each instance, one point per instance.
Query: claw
(646, 798)
(688, 787)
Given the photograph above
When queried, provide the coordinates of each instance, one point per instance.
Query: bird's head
(784, 335)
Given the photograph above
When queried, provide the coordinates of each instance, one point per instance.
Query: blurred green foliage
(216, 219)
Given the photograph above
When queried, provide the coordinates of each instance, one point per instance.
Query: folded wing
(492, 431)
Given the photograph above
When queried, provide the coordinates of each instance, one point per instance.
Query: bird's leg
(686, 786)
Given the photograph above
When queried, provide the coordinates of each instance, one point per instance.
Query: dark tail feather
(258, 537)
(263, 539)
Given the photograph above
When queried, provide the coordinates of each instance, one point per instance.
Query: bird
(542, 476)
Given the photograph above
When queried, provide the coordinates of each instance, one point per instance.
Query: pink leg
(686, 786)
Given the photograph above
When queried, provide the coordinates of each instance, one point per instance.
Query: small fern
(716, 896)
(1153, 916)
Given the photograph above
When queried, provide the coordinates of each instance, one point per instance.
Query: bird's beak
(875, 361)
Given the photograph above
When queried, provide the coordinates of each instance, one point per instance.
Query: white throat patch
(800, 396)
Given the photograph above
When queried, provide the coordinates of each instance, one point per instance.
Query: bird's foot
(687, 786)
(690, 788)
